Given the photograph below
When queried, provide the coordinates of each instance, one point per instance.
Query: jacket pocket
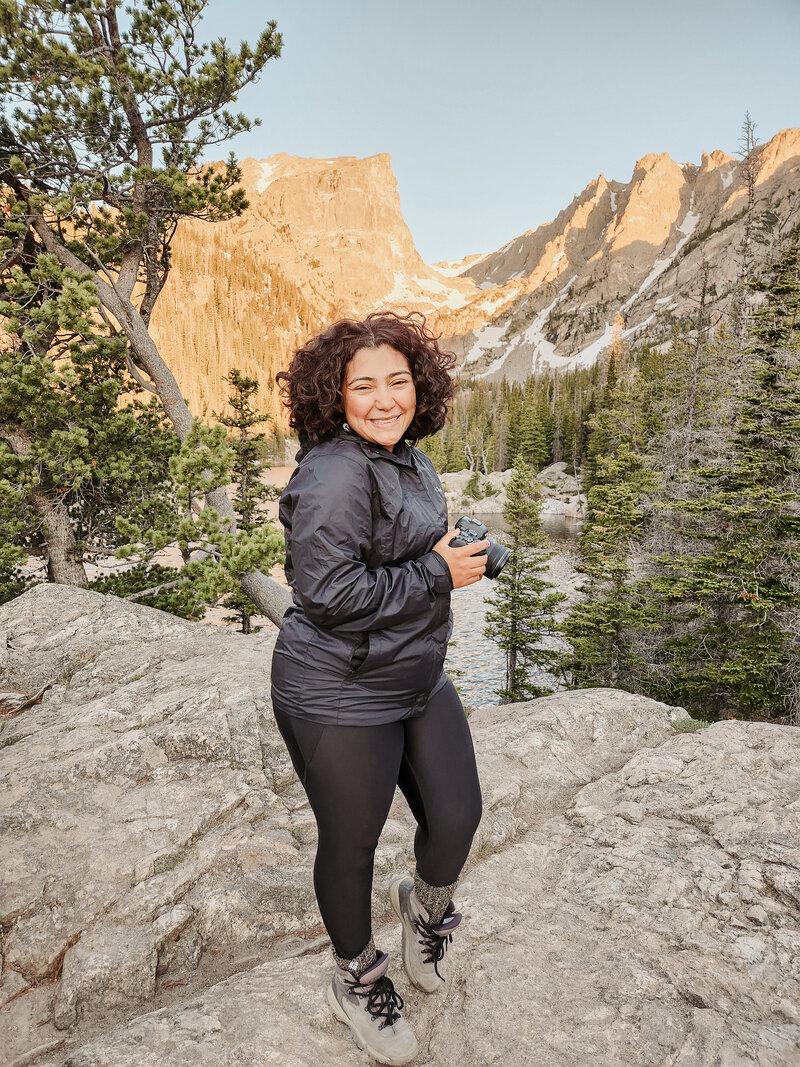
(333, 652)
(397, 667)
(360, 654)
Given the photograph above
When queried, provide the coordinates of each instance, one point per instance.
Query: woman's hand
(465, 567)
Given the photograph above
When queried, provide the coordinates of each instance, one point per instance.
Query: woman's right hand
(465, 567)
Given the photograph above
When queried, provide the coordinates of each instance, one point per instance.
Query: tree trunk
(63, 565)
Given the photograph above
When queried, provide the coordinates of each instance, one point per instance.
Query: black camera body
(471, 531)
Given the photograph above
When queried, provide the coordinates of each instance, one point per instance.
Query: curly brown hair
(312, 386)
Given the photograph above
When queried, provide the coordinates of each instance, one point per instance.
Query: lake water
(480, 662)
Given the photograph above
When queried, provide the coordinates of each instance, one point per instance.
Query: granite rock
(632, 896)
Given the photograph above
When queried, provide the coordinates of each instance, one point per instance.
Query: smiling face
(378, 395)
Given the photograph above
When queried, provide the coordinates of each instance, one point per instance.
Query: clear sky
(496, 114)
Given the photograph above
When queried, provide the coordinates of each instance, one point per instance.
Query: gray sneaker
(424, 943)
(370, 1006)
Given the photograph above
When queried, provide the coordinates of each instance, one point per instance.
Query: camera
(471, 531)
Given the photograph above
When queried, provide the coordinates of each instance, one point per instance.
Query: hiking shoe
(424, 943)
(370, 1006)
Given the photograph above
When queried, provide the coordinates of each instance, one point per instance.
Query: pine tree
(250, 493)
(434, 448)
(108, 114)
(730, 599)
(522, 607)
(604, 629)
(78, 447)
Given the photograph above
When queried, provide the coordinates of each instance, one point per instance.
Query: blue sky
(497, 114)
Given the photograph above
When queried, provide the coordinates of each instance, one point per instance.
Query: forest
(690, 458)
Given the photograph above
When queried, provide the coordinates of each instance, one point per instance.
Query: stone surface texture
(633, 894)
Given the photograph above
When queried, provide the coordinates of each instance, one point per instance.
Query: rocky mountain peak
(653, 161)
(326, 237)
(656, 199)
(321, 239)
(717, 158)
(783, 151)
(644, 265)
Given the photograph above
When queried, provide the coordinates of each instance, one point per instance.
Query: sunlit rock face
(326, 238)
(644, 264)
(320, 240)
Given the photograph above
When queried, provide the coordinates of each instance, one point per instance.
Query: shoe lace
(383, 1000)
(434, 945)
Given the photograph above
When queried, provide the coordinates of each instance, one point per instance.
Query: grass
(689, 725)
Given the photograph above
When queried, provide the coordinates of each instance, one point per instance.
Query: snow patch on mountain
(409, 290)
(542, 351)
(454, 267)
(533, 338)
(267, 172)
(488, 339)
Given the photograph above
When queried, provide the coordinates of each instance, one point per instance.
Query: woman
(358, 686)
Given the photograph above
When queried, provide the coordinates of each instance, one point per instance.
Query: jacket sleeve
(331, 535)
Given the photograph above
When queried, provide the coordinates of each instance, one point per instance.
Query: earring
(346, 427)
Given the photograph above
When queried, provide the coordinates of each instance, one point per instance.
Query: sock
(361, 962)
(434, 897)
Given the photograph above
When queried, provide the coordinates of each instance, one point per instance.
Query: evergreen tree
(108, 114)
(522, 607)
(730, 599)
(156, 586)
(605, 628)
(215, 556)
(250, 492)
(491, 423)
(433, 446)
(514, 443)
(74, 457)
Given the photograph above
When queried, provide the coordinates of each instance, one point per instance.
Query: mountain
(550, 296)
(323, 238)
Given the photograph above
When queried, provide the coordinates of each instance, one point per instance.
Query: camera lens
(496, 558)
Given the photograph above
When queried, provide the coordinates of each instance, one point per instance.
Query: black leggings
(350, 774)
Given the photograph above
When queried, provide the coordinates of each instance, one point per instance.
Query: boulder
(561, 492)
(631, 898)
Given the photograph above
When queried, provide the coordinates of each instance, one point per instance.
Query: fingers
(470, 569)
(475, 549)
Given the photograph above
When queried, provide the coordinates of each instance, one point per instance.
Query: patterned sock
(434, 897)
(362, 961)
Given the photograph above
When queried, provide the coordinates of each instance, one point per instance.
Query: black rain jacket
(365, 639)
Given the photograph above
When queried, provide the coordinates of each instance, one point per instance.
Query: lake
(480, 662)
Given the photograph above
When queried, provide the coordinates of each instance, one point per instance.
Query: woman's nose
(384, 399)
